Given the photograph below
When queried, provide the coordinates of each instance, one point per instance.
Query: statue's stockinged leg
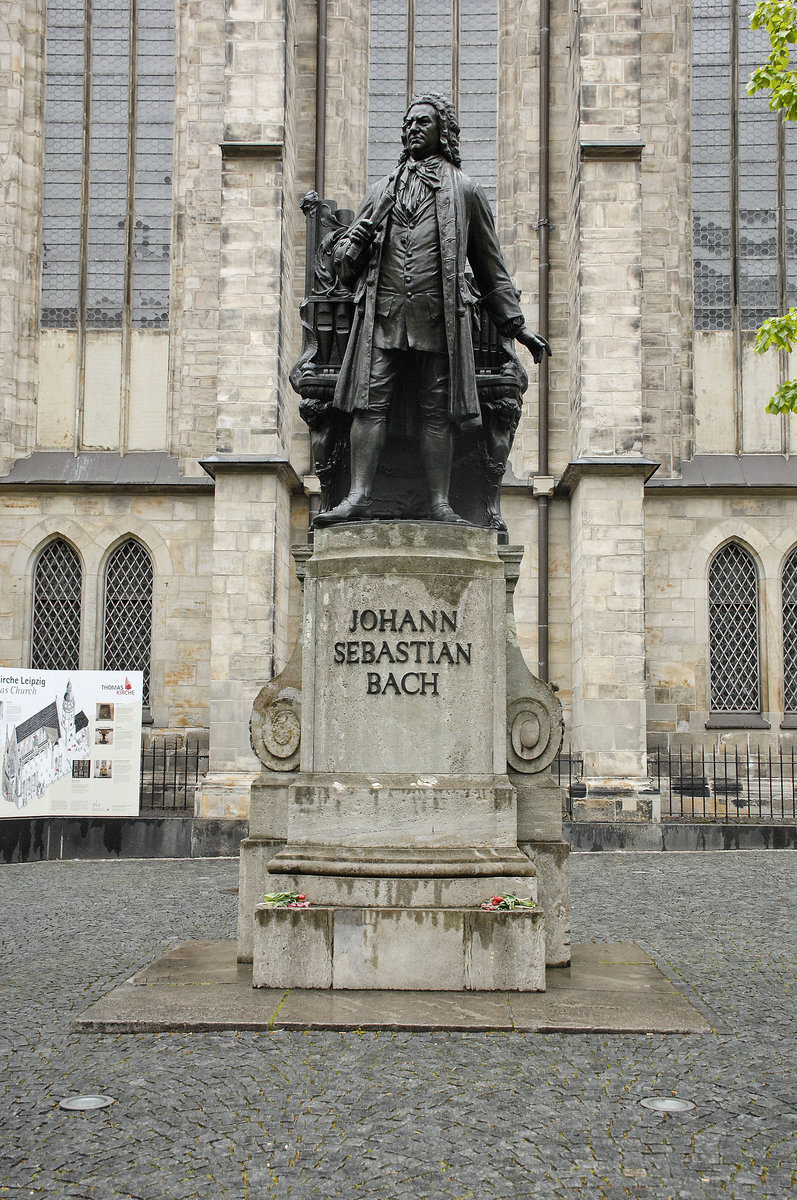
(437, 450)
(367, 440)
(437, 435)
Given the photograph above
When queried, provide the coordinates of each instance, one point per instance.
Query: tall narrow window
(733, 632)
(127, 621)
(109, 98)
(445, 46)
(744, 178)
(788, 601)
(55, 641)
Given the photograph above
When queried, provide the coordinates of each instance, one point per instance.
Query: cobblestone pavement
(418, 1116)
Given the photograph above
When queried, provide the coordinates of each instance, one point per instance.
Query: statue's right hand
(362, 232)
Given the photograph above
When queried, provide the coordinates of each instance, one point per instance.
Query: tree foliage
(779, 19)
(780, 333)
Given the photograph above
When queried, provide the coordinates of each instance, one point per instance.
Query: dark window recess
(788, 601)
(744, 179)
(107, 229)
(57, 580)
(444, 46)
(127, 620)
(733, 632)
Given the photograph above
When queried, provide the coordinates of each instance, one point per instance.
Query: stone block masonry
(199, 130)
(21, 148)
(607, 597)
(248, 415)
(175, 533)
(249, 627)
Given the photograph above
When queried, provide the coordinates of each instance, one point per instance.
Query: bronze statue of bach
(405, 259)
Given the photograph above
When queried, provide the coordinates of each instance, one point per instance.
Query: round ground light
(85, 1103)
(667, 1104)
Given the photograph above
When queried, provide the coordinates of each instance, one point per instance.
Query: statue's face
(422, 131)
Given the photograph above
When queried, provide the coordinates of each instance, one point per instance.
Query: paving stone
(401, 1115)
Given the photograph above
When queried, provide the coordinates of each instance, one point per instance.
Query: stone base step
(417, 949)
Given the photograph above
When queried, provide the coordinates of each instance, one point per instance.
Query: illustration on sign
(53, 727)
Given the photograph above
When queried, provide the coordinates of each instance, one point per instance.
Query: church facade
(154, 471)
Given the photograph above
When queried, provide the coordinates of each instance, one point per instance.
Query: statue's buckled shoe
(347, 510)
(444, 513)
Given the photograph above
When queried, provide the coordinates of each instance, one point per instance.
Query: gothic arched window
(733, 632)
(57, 584)
(127, 617)
(788, 606)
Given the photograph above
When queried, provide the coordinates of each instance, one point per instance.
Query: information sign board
(70, 743)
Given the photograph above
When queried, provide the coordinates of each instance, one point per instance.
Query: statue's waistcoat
(409, 299)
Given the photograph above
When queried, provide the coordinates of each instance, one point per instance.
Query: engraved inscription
(402, 650)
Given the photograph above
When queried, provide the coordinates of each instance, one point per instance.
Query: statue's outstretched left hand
(534, 343)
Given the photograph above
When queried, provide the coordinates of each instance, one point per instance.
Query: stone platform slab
(199, 986)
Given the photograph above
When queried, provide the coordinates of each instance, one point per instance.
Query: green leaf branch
(780, 333)
(779, 19)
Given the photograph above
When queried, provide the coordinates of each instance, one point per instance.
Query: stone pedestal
(401, 819)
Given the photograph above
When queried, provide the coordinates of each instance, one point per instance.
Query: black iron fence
(695, 783)
(170, 772)
(725, 783)
(715, 783)
(568, 771)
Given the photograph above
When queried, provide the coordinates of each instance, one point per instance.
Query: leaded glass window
(788, 600)
(57, 583)
(733, 632)
(107, 195)
(744, 178)
(711, 154)
(445, 46)
(127, 619)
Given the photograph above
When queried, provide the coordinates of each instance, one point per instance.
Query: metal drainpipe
(544, 272)
(321, 99)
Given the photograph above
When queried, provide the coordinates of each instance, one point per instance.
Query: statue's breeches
(426, 374)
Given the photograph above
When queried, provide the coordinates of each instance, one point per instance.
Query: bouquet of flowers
(508, 902)
(286, 900)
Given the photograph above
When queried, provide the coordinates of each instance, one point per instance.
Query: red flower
(301, 897)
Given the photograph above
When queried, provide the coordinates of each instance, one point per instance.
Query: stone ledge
(732, 471)
(247, 149)
(737, 721)
(102, 468)
(608, 465)
(261, 463)
(598, 150)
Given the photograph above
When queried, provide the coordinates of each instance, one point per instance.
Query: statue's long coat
(467, 234)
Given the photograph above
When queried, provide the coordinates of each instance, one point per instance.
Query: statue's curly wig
(449, 126)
